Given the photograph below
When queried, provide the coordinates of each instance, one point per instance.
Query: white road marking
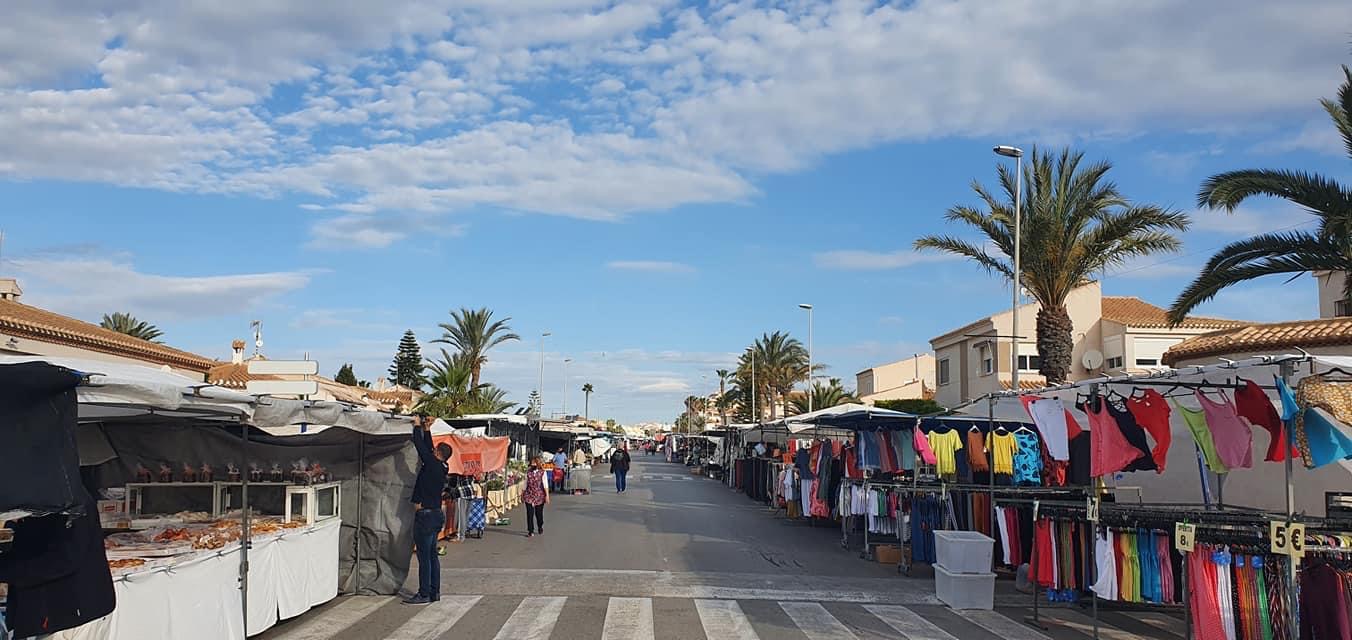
(816, 622)
(1085, 624)
(534, 619)
(330, 622)
(1162, 622)
(629, 619)
(908, 623)
(724, 620)
(1000, 625)
(435, 618)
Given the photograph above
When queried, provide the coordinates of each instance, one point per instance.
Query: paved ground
(678, 557)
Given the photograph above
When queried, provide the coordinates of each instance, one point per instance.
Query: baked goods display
(158, 546)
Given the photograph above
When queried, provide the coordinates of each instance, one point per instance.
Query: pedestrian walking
(428, 518)
(536, 496)
(619, 465)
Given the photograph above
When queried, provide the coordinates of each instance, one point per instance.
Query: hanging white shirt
(1049, 414)
(1105, 561)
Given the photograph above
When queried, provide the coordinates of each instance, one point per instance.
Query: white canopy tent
(850, 410)
(1262, 487)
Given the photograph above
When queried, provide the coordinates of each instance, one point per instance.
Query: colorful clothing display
(1003, 447)
(1201, 435)
(1109, 450)
(945, 446)
(1152, 414)
(1232, 438)
(1253, 405)
(1235, 596)
(1027, 458)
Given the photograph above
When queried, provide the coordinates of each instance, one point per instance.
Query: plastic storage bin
(964, 590)
(963, 551)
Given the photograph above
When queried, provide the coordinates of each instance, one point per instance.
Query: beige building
(1112, 335)
(29, 331)
(235, 375)
(909, 379)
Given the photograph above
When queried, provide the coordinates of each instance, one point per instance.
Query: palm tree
(487, 399)
(127, 324)
(1327, 248)
(782, 361)
(1075, 224)
(823, 395)
(474, 332)
(723, 376)
(586, 402)
(450, 387)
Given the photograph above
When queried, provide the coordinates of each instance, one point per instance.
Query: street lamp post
(541, 397)
(1017, 154)
(808, 307)
(565, 387)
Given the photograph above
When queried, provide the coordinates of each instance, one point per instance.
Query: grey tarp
(386, 466)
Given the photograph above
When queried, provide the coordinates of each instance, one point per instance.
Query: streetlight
(1017, 154)
(565, 387)
(808, 307)
(541, 397)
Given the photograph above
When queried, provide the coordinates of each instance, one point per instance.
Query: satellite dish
(1092, 359)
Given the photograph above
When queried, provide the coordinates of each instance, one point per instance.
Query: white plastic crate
(964, 590)
(963, 551)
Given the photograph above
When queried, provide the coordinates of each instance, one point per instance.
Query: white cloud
(363, 230)
(90, 286)
(651, 266)
(856, 260)
(1178, 164)
(1249, 221)
(665, 386)
(435, 106)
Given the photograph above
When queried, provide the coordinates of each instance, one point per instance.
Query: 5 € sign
(1288, 538)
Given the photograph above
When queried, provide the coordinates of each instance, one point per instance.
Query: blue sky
(654, 183)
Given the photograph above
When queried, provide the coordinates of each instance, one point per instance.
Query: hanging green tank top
(1201, 434)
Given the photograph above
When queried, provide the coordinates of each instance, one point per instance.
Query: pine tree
(407, 368)
(346, 376)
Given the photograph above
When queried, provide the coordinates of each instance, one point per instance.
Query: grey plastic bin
(964, 590)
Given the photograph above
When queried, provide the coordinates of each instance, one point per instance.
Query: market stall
(204, 485)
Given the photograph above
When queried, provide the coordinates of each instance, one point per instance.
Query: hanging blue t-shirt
(1028, 459)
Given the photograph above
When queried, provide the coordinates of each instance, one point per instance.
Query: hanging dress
(1196, 421)
(1152, 413)
(1109, 451)
(1231, 436)
(1253, 405)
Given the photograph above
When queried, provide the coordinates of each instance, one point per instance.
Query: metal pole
(1018, 241)
(244, 530)
(361, 471)
(1287, 369)
(809, 359)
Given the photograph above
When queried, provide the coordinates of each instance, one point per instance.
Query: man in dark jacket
(428, 518)
(619, 465)
(57, 572)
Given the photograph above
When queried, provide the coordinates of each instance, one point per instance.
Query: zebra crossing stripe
(434, 619)
(629, 619)
(724, 620)
(1000, 625)
(816, 622)
(534, 619)
(908, 623)
(333, 620)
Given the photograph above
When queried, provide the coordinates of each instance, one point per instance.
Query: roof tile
(1326, 332)
(1135, 312)
(24, 321)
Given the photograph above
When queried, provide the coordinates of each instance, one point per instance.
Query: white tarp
(1262, 487)
(116, 390)
(600, 446)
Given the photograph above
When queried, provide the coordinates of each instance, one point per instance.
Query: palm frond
(968, 250)
(1263, 255)
(1322, 196)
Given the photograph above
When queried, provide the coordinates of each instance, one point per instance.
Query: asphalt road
(680, 557)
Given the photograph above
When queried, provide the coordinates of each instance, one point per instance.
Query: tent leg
(361, 471)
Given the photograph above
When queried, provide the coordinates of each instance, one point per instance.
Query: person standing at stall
(536, 496)
(560, 465)
(619, 465)
(428, 518)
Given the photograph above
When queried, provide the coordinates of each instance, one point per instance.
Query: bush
(911, 405)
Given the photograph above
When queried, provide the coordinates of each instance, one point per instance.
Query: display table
(578, 479)
(198, 597)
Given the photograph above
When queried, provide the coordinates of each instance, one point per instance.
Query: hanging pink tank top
(1109, 451)
(922, 447)
(1229, 432)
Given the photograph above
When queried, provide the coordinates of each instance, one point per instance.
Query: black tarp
(39, 465)
(383, 466)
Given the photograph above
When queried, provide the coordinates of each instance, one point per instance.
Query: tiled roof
(1026, 383)
(235, 376)
(23, 321)
(392, 396)
(1277, 336)
(1135, 312)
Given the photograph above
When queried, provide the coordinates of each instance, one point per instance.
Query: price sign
(1091, 510)
(1185, 537)
(1287, 538)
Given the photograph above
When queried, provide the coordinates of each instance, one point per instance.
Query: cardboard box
(887, 554)
(111, 506)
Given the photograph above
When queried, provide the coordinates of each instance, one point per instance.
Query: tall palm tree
(723, 376)
(782, 361)
(1327, 248)
(449, 387)
(586, 402)
(473, 332)
(1075, 224)
(127, 324)
(823, 396)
